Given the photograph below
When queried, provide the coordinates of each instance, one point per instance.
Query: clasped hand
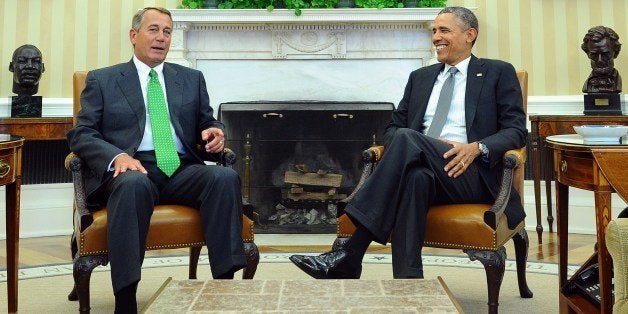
(463, 155)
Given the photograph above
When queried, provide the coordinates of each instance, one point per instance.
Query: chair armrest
(82, 215)
(370, 157)
(225, 158)
(513, 159)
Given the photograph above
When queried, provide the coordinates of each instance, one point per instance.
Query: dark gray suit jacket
(113, 116)
(493, 112)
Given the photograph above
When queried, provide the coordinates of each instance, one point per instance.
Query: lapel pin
(478, 74)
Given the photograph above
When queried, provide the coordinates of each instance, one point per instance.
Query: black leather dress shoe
(331, 265)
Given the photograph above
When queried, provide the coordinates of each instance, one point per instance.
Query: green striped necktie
(165, 150)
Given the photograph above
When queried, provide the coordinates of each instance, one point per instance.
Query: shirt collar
(462, 66)
(143, 69)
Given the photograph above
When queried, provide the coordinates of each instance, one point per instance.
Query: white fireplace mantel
(324, 54)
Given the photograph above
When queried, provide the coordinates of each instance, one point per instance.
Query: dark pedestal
(602, 104)
(25, 106)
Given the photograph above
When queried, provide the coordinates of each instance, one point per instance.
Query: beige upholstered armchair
(171, 226)
(480, 230)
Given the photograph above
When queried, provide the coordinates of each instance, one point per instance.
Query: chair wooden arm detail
(512, 160)
(82, 216)
(373, 154)
(225, 158)
(370, 157)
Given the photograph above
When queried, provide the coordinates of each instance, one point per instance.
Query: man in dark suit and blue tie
(444, 145)
(119, 136)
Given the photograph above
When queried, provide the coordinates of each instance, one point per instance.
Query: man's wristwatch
(483, 149)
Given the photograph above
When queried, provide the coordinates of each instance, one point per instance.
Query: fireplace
(297, 159)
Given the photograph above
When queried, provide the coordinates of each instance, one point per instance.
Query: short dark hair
(464, 15)
(138, 18)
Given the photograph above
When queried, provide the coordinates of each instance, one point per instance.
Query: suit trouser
(214, 190)
(394, 201)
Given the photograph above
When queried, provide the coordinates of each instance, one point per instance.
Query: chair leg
(494, 264)
(252, 259)
(73, 296)
(521, 252)
(195, 253)
(83, 266)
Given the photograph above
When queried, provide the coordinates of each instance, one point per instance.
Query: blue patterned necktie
(165, 149)
(443, 105)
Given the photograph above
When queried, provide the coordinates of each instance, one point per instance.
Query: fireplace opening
(297, 159)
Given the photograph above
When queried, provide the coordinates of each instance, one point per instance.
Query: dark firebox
(297, 159)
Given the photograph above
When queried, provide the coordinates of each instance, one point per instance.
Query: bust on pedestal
(604, 84)
(27, 67)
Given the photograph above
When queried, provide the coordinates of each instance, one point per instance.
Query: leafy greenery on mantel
(297, 5)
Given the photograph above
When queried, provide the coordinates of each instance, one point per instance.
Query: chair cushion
(462, 226)
(459, 226)
(164, 232)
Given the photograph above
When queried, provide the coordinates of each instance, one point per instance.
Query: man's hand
(215, 140)
(463, 153)
(124, 162)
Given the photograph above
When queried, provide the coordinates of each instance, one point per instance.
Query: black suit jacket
(494, 115)
(113, 116)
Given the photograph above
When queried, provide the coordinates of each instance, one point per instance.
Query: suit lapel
(174, 91)
(129, 84)
(475, 78)
(424, 88)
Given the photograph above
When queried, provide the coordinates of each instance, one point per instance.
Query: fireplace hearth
(297, 159)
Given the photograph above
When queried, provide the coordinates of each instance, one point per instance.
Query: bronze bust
(602, 46)
(27, 67)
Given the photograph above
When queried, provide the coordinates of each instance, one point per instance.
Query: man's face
(453, 42)
(152, 41)
(601, 53)
(26, 66)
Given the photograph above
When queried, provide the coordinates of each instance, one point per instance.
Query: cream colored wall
(544, 37)
(541, 36)
(71, 34)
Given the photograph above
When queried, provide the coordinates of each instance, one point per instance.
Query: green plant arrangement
(191, 4)
(298, 5)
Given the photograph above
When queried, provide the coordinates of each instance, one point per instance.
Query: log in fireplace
(297, 159)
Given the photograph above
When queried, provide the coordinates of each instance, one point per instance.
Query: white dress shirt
(455, 126)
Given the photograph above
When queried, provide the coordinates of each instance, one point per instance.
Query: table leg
(13, 238)
(536, 170)
(548, 186)
(602, 218)
(562, 223)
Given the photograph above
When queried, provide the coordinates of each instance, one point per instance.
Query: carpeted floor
(44, 289)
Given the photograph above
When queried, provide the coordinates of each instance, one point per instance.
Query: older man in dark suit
(444, 145)
(139, 138)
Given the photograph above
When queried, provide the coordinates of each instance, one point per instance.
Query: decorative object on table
(27, 67)
(601, 134)
(603, 85)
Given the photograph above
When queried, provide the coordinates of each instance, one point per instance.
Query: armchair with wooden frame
(171, 226)
(480, 230)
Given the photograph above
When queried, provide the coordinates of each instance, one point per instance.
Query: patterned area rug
(44, 289)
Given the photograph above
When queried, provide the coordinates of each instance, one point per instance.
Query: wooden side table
(11, 177)
(37, 128)
(547, 125)
(597, 168)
